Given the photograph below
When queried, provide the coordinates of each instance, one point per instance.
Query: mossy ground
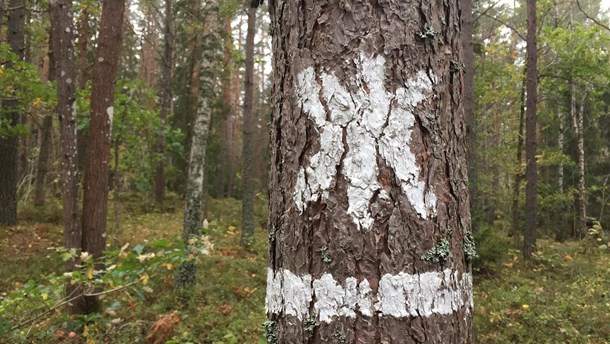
(563, 296)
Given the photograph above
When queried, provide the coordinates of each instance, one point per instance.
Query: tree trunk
(166, 100)
(531, 223)
(9, 152)
(46, 145)
(196, 182)
(63, 53)
(83, 77)
(581, 197)
(227, 92)
(515, 223)
(369, 212)
(247, 221)
(95, 203)
(469, 99)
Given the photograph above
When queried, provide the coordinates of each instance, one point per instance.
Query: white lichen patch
(401, 295)
(374, 121)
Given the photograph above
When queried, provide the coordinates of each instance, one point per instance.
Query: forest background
(182, 58)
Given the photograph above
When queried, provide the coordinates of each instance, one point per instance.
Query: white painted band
(401, 295)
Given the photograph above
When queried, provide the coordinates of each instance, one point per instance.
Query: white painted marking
(110, 113)
(362, 115)
(402, 295)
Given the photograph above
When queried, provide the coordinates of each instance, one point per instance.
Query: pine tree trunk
(227, 92)
(83, 76)
(9, 152)
(248, 137)
(166, 100)
(44, 156)
(95, 202)
(65, 74)
(369, 212)
(531, 209)
(469, 99)
(515, 223)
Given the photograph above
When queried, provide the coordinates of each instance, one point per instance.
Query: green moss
(470, 249)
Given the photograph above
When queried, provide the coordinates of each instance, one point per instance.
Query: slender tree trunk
(166, 100)
(560, 232)
(515, 223)
(531, 209)
(196, 182)
(227, 91)
(46, 144)
(63, 53)
(369, 209)
(248, 137)
(83, 77)
(95, 203)
(9, 144)
(581, 199)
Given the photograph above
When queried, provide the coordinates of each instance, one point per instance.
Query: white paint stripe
(401, 295)
(363, 114)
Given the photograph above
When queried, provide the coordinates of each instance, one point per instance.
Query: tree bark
(9, 144)
(63, 53)
(166, 100)
(83, 77)
(369, 213)
(46, 144)
(515, 223)
(469, 99)
(247, 221)
(187, 274)
(531, 209)
(581, 197)
(95, 203)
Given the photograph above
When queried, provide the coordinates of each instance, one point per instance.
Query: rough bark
(195, 192)
(63, 53)
(95, 202)
(9, 144)
(369, 208)
(469, 99)
(531, 223)
(166, 99)
(248, 186)
(227, 94)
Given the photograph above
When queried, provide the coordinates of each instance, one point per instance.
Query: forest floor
(563, 296)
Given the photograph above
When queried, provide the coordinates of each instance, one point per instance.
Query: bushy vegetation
(562, 296)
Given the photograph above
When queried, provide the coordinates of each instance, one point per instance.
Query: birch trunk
(369, 212)
(581, 199)
(187, 274)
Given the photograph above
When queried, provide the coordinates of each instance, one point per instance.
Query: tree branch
(590, 17)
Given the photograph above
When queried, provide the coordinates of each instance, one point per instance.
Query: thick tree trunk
(63, 53)
(9, 144)
(247, 221)
(166, 100)
(531, 211)
(369, 212)
(196, 182)
(95, 203)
